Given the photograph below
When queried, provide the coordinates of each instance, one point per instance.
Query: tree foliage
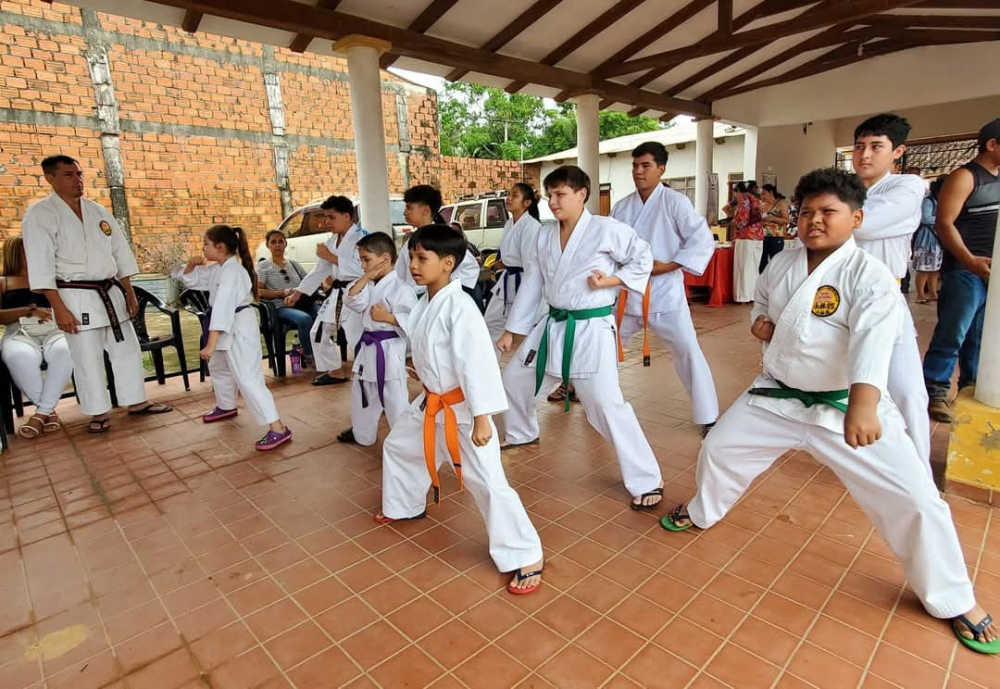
(483, 122)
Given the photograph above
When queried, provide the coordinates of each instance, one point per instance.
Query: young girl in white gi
(828, 314)
(517, 254)
(232, 348)
(451, 420)
(582, 264)
(384, 303)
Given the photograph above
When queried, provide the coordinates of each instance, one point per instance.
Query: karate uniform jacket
(229, 287)
(399, 300)
(517, 249)
(467, 272)
(893, 212)
(347, 269)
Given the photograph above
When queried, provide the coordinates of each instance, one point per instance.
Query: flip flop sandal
(976, 643)
(642, 507)
(511, 446)
(511, 588)
(347, 436)
(152, 408)
(380, 518)
(32, 428)
(99, 426)
(52, 424)
(557, 395)
(669, 522)
(327, 379)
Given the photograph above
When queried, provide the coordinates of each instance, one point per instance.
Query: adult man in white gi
(338, 259)
(892, 215)
(681, 241)
(80, 260)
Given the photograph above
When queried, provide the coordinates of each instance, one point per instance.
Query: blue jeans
(301, 321)
(958, 333)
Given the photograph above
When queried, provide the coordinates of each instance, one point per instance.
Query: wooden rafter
(612, 15)
(725, 17)
(302, 40)
(288, 15)
(939, 21)
(835, 13)
(424, 21)
(655, 34)
(767, 8)
(538, 10)
(191, 21)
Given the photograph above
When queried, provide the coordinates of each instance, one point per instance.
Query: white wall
(617, 170)
(789, 152)
(943, 119)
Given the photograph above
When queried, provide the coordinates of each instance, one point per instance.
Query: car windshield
(396, 208)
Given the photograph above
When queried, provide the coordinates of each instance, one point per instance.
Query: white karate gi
(892, 215)
(60, 247)
(326, 351)
(825, 353)
(746, 264)
(668, 221)
(399, 300)
(517, 249)
(467, 272)
(236, 362)
(597, 243)
(451, 349)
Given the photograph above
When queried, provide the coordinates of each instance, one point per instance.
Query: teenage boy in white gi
(681, 241)
(828, 314)
(582, 265)
(80, 260)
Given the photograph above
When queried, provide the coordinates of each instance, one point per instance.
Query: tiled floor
(168, 554)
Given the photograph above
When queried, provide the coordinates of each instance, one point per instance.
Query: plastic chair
(196, 302)
(156, 345)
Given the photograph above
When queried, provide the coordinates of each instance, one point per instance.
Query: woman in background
(927, 251)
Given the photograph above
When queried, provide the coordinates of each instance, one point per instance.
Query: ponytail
(235, 241)
(528, 192)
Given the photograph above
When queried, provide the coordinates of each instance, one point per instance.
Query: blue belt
(515, 271)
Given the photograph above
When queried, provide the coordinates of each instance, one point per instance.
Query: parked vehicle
(483, 217)
(305, 227)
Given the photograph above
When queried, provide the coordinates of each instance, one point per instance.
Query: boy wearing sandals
(827, 314)
(455, 362)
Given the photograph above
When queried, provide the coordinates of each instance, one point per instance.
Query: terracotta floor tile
(453, 643)
(201, 621)
(610, 642)
(260, 594)
(96, 671)
(170, 672)
(567, 616)
(823, 669)
(688, 641)
(906, 669)
(851, 644)
(784, 613)
(737, 667)
(625, 571)
(322, 595)
(459, 594)
(737, 592)
(494, 617)
(247, 670)
(857, 613)
(389, 595)
(373, 644)
(765, 641)
(491, 668)
(346, 618)
(274, 619)
(216, 647)
(573, 667)
(147, 647)
(655, 667)
(298, 643)
(713, 614)
(641, 616)
(419, 617)
(531, 643)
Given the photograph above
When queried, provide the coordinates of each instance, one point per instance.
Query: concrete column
(750, 153)
(363, 55)
(587, 140)
(704, 148)
(988, 378)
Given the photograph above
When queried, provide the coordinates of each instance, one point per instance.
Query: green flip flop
(985, 647)
(669, 522)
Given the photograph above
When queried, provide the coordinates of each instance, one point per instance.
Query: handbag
(306, 302)
(37, 329)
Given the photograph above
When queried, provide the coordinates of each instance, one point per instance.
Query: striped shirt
(272, 277)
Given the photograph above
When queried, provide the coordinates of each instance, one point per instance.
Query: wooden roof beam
(936, 21)
(302, 40)
(424, 21)
(725, 17)
(656, 33)
(833, 13)
(191, 21)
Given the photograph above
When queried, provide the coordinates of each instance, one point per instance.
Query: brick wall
(189, 136)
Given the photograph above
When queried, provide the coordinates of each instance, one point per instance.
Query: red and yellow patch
(826, 302)
(105, 228)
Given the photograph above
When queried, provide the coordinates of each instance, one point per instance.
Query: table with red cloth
(718, 277)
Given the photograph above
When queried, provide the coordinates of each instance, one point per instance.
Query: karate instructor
(80, 260)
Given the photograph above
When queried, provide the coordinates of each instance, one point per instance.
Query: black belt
(339, 286)
(103, 289)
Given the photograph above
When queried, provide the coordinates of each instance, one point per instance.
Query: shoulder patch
(105, 228)
(826, 302)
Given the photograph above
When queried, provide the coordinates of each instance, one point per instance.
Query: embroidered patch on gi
(826, 302)
(105, 228)
(84, 319)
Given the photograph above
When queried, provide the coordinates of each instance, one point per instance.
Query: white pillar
(750, 153)
(704, 148)
(587, 145)
(988, 377)
(363, 55)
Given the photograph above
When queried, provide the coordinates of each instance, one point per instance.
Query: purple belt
(375, 337)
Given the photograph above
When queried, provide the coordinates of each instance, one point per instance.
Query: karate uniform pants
(677, 331)
(24, 361)
(238, 369)
(885, 479)
(496, 319)
(364, 420)
(87, 348)
(606, 409)
(746, 261)
(907, 390)
(326, 352)
(513, 540)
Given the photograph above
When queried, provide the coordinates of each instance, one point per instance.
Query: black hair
(440, 239)
(50, 164)
(271, 233)
(887, 124)
(741, 187)
(653, 148)
(846, 186)
(429, 196)
(528, 192)
(235, 239)
(773, 190)
(378, 243)
(341, 204)
(570, 176)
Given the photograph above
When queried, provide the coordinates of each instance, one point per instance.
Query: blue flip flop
(976, 643)
(669, 521)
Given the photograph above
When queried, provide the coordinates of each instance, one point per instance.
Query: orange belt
(433, 403)
(622, 301)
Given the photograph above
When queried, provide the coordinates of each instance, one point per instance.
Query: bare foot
(522, 584)
(648, 500)
(976, 616)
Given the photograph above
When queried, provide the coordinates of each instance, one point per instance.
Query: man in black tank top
(966, 226)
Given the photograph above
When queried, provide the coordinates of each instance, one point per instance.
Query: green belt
(835, 398)
(571, 317)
